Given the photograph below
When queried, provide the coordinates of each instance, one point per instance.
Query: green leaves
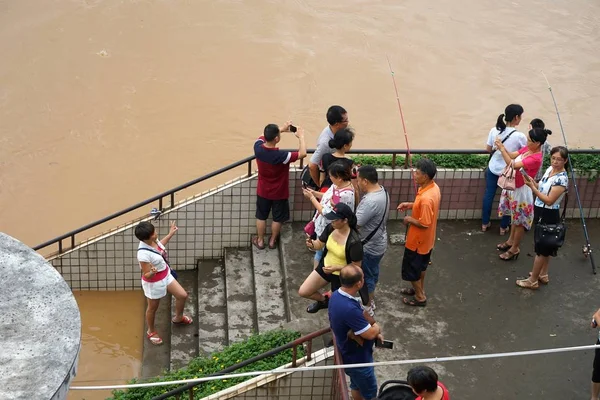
(231, 355)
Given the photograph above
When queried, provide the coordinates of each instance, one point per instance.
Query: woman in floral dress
(519, 202)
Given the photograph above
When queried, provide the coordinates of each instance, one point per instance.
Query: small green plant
(231, 355)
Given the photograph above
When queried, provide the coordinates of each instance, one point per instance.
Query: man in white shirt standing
(337, 118)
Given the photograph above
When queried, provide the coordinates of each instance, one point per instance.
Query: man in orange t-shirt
(420, 237)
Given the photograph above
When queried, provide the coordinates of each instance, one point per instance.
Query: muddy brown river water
(104, 103)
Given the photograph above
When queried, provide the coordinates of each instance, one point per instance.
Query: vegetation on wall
(585, 164)
(231, 355)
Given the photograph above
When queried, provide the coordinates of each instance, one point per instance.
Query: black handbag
(551, 235)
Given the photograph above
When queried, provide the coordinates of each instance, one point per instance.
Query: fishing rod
(408, 155)
(587, 248)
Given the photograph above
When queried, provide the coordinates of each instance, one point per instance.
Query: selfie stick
(403, 125)
(587, 248)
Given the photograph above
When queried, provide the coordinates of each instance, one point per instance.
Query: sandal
(503, 246)
(255, 243)
(318, 305)
(154, 338)
(509, 256)
(413, 302)
(185, 320)
(527, 284)
(485, 227)
(274, 245)
(407, 291)
(543, 279)
(504, 231)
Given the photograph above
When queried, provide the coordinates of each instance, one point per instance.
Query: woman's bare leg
(311, 286)
(151, 313)
(180, 297)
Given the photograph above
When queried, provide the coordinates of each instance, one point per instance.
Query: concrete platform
(475, 307)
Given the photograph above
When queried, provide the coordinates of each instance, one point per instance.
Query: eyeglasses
(557, 159)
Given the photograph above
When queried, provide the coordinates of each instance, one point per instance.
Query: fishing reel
(587, 250)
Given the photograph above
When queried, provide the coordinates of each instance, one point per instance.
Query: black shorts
(334, 280)
(596, 373)
(413, 264)
(549, 216)
(281, 209)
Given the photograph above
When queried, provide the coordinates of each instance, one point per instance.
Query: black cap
(340, 211)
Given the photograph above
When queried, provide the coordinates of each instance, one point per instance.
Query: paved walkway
(475, 307)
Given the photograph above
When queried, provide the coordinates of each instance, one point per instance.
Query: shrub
(230, 355)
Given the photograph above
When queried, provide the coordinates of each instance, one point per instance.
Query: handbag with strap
(163, 257)
(385, 210)
(507, 177)
(551, 235)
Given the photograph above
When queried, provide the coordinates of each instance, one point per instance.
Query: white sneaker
(369, 310)
(373, 304)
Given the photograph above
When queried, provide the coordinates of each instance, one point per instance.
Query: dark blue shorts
(363, 380)
(413, 264)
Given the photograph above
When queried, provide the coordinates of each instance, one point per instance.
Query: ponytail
(341, 138)
(500, 125)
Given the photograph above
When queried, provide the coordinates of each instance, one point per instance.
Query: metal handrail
(292, 345)
(248, 160)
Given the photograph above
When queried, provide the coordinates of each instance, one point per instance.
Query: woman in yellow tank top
(342, 246)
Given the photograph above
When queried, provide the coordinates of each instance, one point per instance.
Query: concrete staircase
(247, 291)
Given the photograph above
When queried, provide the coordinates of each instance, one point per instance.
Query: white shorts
(157, 290)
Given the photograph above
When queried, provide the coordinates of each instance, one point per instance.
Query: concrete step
(297, 265)
(184, 338)
(239, 288)
(212, 307)
(157, 359)
(271, 301)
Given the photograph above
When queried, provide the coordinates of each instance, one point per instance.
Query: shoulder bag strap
(155, 252)
(564, 212)
(385, 210)
(503, 140)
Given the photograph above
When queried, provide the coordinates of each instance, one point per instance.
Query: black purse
(551, 235)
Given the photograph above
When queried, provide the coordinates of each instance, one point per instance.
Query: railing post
(172, 199)
(393, 160)
(309, 350)
(191, 394)
(294, 356)
(72, 241)
(60, 249)
(160, 204)
(249, 168)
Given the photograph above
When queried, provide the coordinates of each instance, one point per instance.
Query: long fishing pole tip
(547, 82)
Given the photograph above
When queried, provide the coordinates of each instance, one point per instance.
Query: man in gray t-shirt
(372, 215)
(337, 118)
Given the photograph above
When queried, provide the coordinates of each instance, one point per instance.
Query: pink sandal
(185, 320)
(154, 338)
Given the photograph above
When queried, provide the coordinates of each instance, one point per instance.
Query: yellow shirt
(336, 254)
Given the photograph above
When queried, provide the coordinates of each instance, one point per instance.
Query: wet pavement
(474, 307)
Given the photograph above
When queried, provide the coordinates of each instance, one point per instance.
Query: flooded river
(111, 341)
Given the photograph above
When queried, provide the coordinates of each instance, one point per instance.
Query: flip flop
(274, 246)
(407, 291)
(413, 302)
(154, 338)
(184, 321)
(255, 243)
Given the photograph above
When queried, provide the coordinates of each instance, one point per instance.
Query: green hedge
(588, 164)
(231, 355)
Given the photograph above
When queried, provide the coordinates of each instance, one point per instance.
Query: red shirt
(531, 165)
(273, 170)
(445, 395)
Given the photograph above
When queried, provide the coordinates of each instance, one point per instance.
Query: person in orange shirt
(420, 237)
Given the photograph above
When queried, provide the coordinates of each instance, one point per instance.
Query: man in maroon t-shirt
(272, 191)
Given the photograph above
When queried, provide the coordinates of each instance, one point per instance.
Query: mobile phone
(523, 172)
(386, 344)
(304, 185)
(293, 129)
